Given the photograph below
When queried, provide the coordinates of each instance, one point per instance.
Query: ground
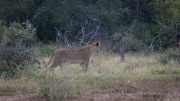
(98, 97)
(20, 97)
(156, 91)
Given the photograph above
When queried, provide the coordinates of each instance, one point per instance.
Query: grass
(106, 73)
(17, 85)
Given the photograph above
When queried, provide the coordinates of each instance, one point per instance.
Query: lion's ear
(97, 44)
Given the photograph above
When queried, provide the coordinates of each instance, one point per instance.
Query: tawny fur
(79, 55)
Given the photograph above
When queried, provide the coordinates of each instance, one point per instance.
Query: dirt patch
(157, 86)
(98, 97)
(143, 91)
(4, 96)
(128, 97)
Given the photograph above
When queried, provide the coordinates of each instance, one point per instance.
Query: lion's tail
(50, 59)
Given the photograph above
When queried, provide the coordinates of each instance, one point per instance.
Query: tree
(168, 19)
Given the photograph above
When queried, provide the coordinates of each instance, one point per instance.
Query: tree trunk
(175, 35)
(122, 50)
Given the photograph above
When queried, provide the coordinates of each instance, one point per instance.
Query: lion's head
(96, 47)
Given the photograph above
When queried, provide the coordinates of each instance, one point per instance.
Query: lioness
(79, 55)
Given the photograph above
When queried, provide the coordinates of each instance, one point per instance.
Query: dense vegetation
(153, 22)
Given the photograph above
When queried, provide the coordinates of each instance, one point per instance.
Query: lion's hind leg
(62, 65)
(54, 64)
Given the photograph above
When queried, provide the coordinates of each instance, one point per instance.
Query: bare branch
(151, 47)
(60, 35)
(161, 24)
(120, 38)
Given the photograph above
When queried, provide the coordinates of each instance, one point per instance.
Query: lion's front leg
(86, 66)
(82, 66)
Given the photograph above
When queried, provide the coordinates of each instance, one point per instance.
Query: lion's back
(70, 55)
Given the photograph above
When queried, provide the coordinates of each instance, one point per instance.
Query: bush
(15, 47)
(165, 70)
(18, 35)
(170, 55)
(18, 56)
(52, 86)
(131, 44)
(176, 71)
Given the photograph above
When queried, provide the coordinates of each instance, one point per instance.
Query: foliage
(51, 86)
(133, 41)
(15, 51)
(71, 15)
(17, 35)
(166, 70)
(167, 19)
(170, 55)
(151, 18)
(1, 30)
(45, 50)
(133, 44)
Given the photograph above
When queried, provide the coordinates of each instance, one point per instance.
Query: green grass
(45, 50)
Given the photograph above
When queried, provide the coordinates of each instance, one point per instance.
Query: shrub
(52, 86)
(131, 43)
(15, 46)
(170, 55)
(18, 58)
(163, 59)
(165, 70)
(176, 71)
(18, 35)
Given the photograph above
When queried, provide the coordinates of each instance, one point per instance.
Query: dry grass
(19, 85)
(106, 74)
